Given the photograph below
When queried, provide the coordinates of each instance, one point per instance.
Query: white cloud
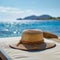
(10, 10)
(14, 10)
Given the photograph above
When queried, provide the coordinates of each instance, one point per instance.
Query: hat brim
(28, 47)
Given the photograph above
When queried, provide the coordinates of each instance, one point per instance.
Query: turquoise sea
(13, 29)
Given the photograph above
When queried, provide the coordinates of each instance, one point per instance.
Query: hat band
(25, 42)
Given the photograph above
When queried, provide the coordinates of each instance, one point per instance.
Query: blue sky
(12, 9)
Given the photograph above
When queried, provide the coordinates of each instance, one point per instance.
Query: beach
(14, 54)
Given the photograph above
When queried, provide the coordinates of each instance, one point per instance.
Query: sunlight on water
(15, 28)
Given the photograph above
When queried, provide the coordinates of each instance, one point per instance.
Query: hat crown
(32, 36)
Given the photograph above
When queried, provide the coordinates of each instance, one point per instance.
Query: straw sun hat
(32, 40)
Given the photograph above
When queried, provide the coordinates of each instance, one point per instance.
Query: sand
(14, 54)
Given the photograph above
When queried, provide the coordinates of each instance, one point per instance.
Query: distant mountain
(34, 17)
(44, 16)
